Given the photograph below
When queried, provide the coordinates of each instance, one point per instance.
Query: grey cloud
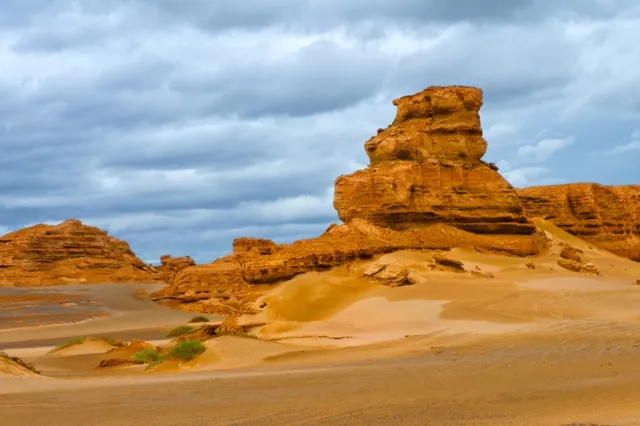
(317, 15)
(320, 77)
(180, 128)
(511, 64)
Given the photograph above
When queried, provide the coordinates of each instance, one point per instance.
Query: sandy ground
(129, 316)
(519, 346)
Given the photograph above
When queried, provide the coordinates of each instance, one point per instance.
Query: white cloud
(502, 133)
(542, 150)
(527, 176)
(634, 145)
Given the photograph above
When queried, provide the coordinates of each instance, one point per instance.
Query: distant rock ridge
(608, 216)
(68, 253)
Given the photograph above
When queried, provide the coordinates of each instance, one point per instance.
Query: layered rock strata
(230, 285)
(70, 252)
(607, 216)
(426, 188)
(427, 167)
(170, 266)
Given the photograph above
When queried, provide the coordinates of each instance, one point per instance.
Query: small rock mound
(571, 253)
(572, 265)
(446, 264)
(389, 275)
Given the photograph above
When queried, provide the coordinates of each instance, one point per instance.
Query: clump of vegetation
(148, 356)
(21, 362)
(187, 350)
(179, 331)
(199, 318)
(68, 343)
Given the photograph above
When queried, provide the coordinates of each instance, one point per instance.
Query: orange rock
(256, 245)
(68, 253)
(608, 216)
(571, 253)
(170, 266)
(426, 168)
(224, 286)
(426, 188)
(389, 275)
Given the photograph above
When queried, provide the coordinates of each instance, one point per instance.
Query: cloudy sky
(180, 125)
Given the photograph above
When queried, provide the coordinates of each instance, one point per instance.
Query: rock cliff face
(68, 253)
(426, 188)
(426, 168)
(608, 216)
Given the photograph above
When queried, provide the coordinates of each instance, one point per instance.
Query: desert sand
(498, 343)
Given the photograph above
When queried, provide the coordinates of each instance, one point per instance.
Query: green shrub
(199, 318)
(187, 350)
(147, 355)
(179, 331)
(68, 343)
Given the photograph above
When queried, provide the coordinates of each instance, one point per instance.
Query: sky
(179, 125)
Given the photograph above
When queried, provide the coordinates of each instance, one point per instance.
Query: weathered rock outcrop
(170, 266)
(70, 252)
(426, 188)
(426, 168)
(608, 216)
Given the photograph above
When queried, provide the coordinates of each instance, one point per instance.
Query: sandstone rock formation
(426, 188)
(571, 253)
(70, 252)
(170, 266)
(576, 266)
(426, 168)
(607, 216)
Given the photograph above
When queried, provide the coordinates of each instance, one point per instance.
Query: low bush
(179, 331)
(187, 350)
(199, 318)
(147, 355)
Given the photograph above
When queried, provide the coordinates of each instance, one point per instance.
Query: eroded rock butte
(426, 168)
(68, 253)
(426, 188)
